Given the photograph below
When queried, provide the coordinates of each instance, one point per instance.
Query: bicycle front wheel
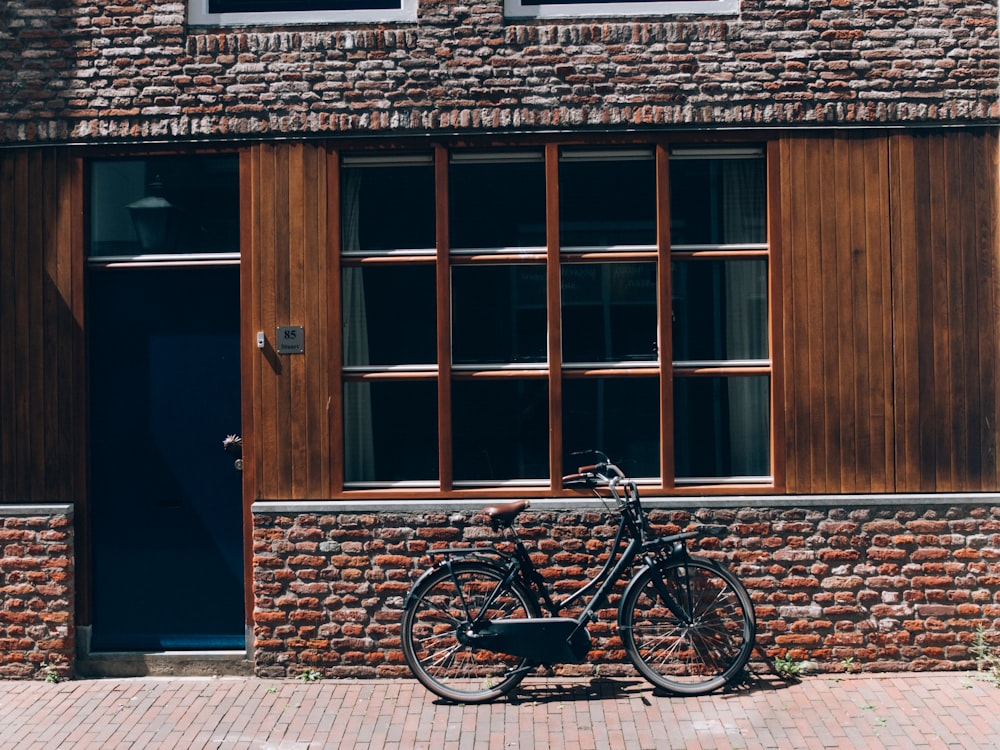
(444, 609)
(688, 626)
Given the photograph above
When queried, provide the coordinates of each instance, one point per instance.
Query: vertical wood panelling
(776, 295)
(553, 297)
(41, 345)
(288, 267)
(836, 314)
(944, 189)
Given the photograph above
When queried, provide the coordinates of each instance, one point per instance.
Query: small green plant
(987, 655)
(310, 675)
(848, 665)
(51, 674)
(789, 668)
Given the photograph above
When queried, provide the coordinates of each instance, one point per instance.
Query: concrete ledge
(36, 509)
(673, 503)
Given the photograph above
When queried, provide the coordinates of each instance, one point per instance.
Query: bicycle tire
(701, 640)
(441, 604)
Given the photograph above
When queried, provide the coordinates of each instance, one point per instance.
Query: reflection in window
(607, 199)
(164, 205)
(715, 201)
(387, 204)
(620, 416)
(390, 431)
(497, 201)
(720, 310)
(498, 314)
(609, 312)
(721, 426)
(500, 429)
(389, 315)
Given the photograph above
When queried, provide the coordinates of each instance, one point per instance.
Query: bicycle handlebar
(603, 473)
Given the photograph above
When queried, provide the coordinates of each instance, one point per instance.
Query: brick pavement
(920, 711)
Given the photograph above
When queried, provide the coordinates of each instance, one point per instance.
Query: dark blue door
(165, 499)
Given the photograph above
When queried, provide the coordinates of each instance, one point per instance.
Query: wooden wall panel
(284, 271)
(944, 213)
(836, 333)
(41, 342)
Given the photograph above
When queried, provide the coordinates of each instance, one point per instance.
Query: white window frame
(517, 9)
(198, 15)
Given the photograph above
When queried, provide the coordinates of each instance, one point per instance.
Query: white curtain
(359, 441)
(746, 314)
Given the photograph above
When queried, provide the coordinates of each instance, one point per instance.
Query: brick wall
(890, 587)
(87, 70)
(37, 636)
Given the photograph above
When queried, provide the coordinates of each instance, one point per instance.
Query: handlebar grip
(584, 480)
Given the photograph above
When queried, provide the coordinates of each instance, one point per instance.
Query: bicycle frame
(555, 639)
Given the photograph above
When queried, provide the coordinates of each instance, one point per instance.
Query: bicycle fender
(670, 561)
(448, 562)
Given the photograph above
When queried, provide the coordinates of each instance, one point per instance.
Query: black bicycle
(480, 619)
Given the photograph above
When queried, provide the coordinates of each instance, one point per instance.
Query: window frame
(626, 8)
(200, 15)
(726, 368)
(553, 256)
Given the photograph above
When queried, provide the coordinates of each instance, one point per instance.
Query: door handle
(233, 445)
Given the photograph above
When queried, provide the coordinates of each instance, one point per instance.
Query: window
(390, 392)
(280, 12)
(164, 209)
(631, 8)
(719, 272)
(503, 310)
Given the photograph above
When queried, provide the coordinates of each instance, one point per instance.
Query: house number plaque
(291, 340)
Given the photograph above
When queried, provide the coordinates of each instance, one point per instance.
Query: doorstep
(165, 664)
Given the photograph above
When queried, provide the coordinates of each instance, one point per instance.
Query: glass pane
(620, 416)
(722, 427)
(390, 431)
(282, 6)
(497, 204)
(609, 312)
(387, 207)
(720, 310)
(607, 202)
(717, 201)
(164, 204)
(390, 315)
(500, 429)
(498, 314)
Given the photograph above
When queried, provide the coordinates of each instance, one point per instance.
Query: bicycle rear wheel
(442, 610)
(688, 626)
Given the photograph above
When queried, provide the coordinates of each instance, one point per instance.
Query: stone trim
(685, 502)
(91, 72)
